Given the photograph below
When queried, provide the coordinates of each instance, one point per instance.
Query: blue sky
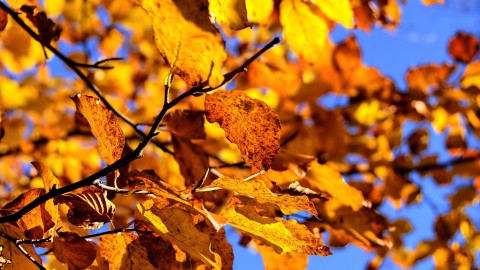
(421, 38)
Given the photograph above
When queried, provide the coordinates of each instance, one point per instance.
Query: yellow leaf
(54, 7)
(369, 112)
(337, 10)
(11, 257)
(104, 125)
(49, 182)
(187, 40)
(259, 11)
(471, 75)
(124, 251)
(259, 190)
(249, 123)
(176, 226)
(325, 178)
(287, 261)
(231, 13)
(282, 235)
(303, 29)
(440, 119)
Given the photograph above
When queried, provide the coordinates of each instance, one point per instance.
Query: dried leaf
(11, 258)
(176, 226)
(259, 190)
(303, 29)
(36, 222)
(231, 13)
(73, 250)
(325, 178)
(187, 40)
(3, 19)
(286, 261)
(89, 209)
(337, 10)
(104, 125)
(347, 56)
(124, 251)
(249, 123)
(48, 30)
(282, 235)
(421, 79)
(463, 47)
(186, 123)
(191, 158)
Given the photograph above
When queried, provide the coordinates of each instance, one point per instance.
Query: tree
(124, 141)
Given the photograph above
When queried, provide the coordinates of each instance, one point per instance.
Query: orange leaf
(11, 258)
(325, 178)
(259, 190)
(187, 40)
(73, 250)
(463, 47)
(36, 222)
(192, 160)
(231, 13)
(104, 125)
(124, 251)
(347, 56)
(287, 261)
(89, 209)
(422, 78)
(249, 123)
(186, 123)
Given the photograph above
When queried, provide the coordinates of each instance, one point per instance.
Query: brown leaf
(192, 160)
(249, 123)
(11, 258)
(187, 40)
(259, 190)
(3, 19)
(89, 209)
(124, 251)
(186, 123)
(104, 125)
(36, 222)
(325, 178)
(48, 30)
(73, 250)
(347, 56)
(422, 78)
(463, 47)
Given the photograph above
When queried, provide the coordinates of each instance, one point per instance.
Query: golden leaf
(176, 226)
(259, 11)
(471, 75)
(104, 125)
(337, 10)
(303, 29)
(282, 235)
(49, 182)
(231, 13)
(259, 190)
(287, 261)
(325, 178)
(432, 2)
(187, 40)
(249, 123)
(11, 257)
(73, 250)
(124, 251)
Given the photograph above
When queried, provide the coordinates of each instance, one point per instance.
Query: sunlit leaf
(258, 189)
(231, 13)
(287, 261)
(259, 11)
(187, 40)
(104, 126)
(73, 250)
(337, 10)
(303, 29)
(249, 123)
(11, 257)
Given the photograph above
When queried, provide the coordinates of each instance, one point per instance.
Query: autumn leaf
(422, 78)
(337, 10)
(326, 179)
(432, 2)
(124, 251)
(187, 40)
(347, 56)
(104, 126)
(48, 30)
(10, 256)
(303, 29)
(176, 225)
(249, 123)
(463, 47)
(36, 222)
(259, 11)
(286, 261)
(49, 182)
(282, 235)
(3, 19)
(186, 123)
(192, 160)
(259, 190)
(89, 209)
(231, 13)
(73, 250)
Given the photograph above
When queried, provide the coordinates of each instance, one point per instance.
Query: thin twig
(97, 64)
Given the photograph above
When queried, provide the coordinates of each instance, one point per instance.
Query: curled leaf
(73, 250)
(249, 123)
(89, 209)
